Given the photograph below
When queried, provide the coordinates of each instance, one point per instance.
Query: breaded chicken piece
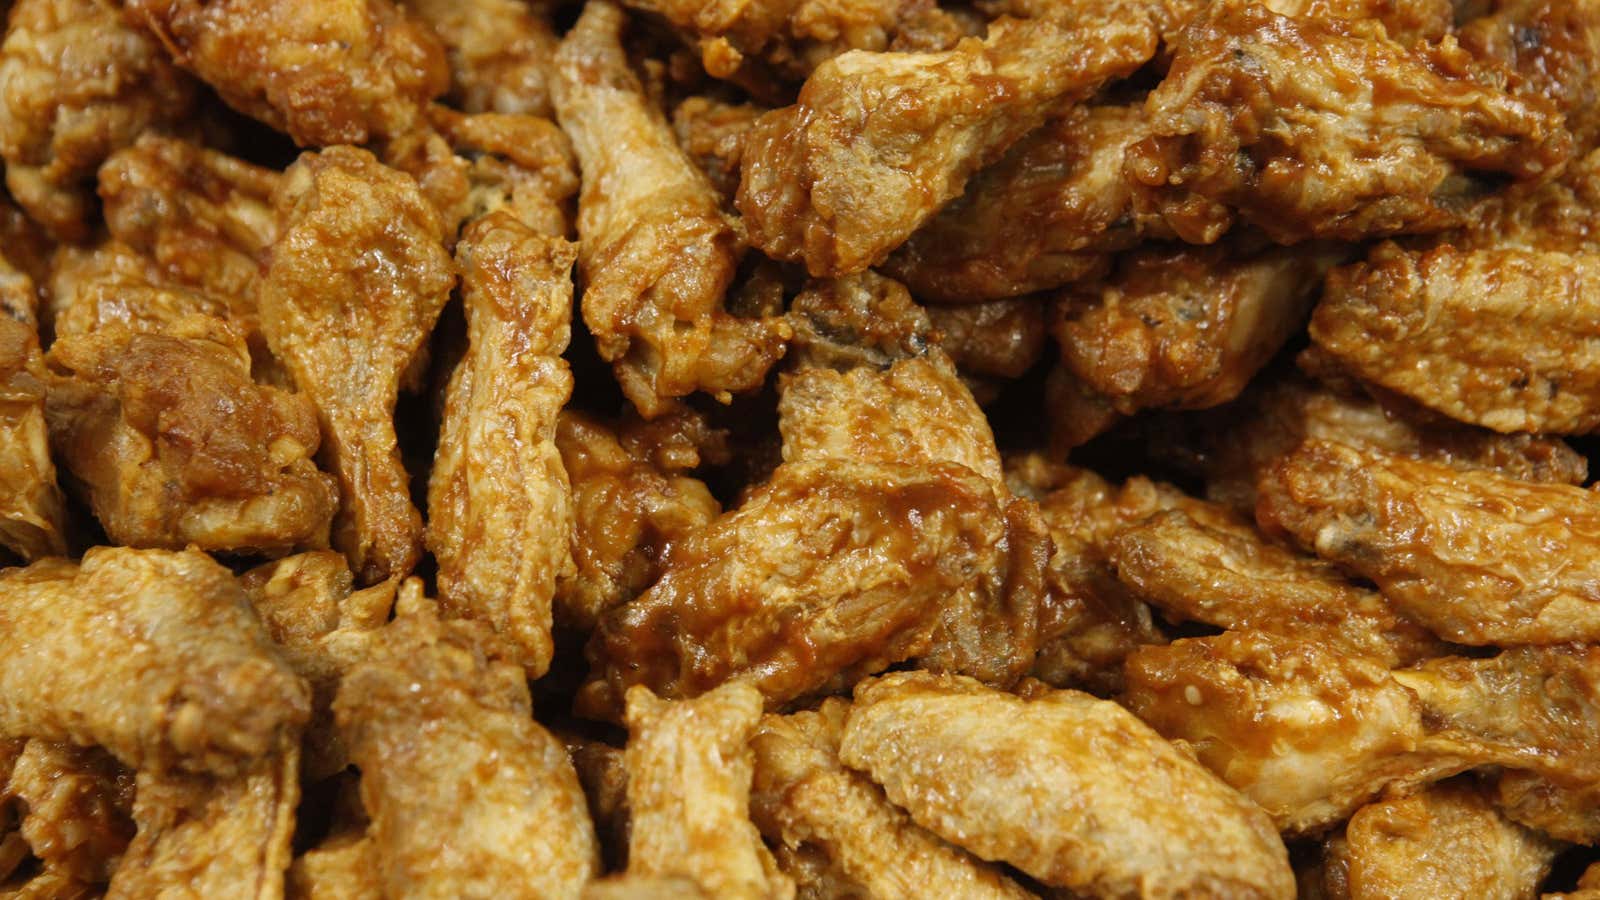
(32, 508)
(208, 836)
(500, 515)
(656, 252)
(1072, 790)
(1319, 127)
(469, 797)
(1554, 48)
(111, 284)
(994, 339)
(324, 73)
(689, 769)
(357, 279)
(1565, 812)
(1476, 557)
(76, 83)
(76, 804)
(604, 777)
(838, 829)
(519, 163)
(343, 867)
(878, 142)
(639, 887)
(629, 510)
(174, 445)
(202, 690)
(713, 134)
(500, 53)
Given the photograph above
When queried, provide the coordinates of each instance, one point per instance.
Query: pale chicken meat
(357, 278)
(656, 251)
(1072, 790)
(500, 53)
(76, 804)
(877, 143)
(32, 508)
(324, 73)
(203, 691)
(77, 82)
(500, 506)
(469, 797)
(1476, 557)
(689, 768)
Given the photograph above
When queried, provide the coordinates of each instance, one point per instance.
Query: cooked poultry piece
(879, 142)
(174, 445)
(113, 285)
(994, 339)
(469, 797)
(499, 50)
(1072, 790)
(1566, 812)
(713, 133)
(637, 887)
(347, 325)
(343, 867)
(202, 690)
(1554, 48)
(1051, 211)
(1217, 569)
(79, 82)
(206, 836)
(1318, 127)
(1476, 557)
(656, 253)
(689, 770)
(76, 803)
(858, 321)
(839, 822)
(32, 509)
(629, 510)
(323, 628)
(518, 163)
(1447, 841)
(604, 776)
(499, 504)
(344, 73)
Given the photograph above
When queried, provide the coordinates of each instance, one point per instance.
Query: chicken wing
(999, 339)
(342, 73)
(689, 769)
(1565, 812)
(77, 803)
(1554, 48)
(713, 134)
(343, 867)
(357, 278)
(469, 797)
(1321, 127)
(1476, 557)
(518, 163)
(656, 252)
(202, 690)
(879, 142)
(1072, 790)
(32, 509)
(76, 83)
(500, 53)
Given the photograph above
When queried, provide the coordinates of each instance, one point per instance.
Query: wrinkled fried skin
(348, 324)
(1554, 48)
(689, 770)
(32, 508)
(174, 445)
(518, 163)
(1318, 127)
(656, 252)
(77, 83)
(325, 74)
(1072, 790)
(203, 691)
(499, 52)
(995, 339)
(343, 867)
(1476, 557)
(78, 802)
(114, 285)
(713, 134)
(878, 142)
(439, 721)
(1567, 813)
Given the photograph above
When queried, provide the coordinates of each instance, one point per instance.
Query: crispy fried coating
(656, 252)
(324, 73)
(343, 867)
(174, 445)
(112, 284)
(500, 506)
(202, 689)
(1565, 812)
(519, 163)
(469, 797)
(1072, 790)
(1320, 127)
(206, 836)
(689, 770)
(77, 803)
(357, 278)
(878, 142)
(839, 828)
(639, 887)
(76, 83)
(1554, 48)
(32, 508)
(1476, 557)
(713, 133)
(604, 777)
(993, 339)
(499, 50)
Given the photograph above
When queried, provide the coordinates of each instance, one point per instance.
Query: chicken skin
(32, 509)
(500, 53)
(77, 805)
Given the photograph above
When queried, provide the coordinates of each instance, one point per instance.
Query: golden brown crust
(76, 804)
(499, 50)
(32, 508)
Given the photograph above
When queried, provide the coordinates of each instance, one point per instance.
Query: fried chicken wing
(656, 252)
(713, 133)
(1565, 812)
(77, 803)
(689, 769)
(839, 824)
(32, 509)
(469, 797)
(344, 867)
(1072, 790)
(994, 339)
(519, 163)
(356, 280)
(1476, 557)
(324, 73)
(77, 83)
(202, 689)
(1554, 48)
(639, 887)
(112, 284)
(500, 53)
(1320, 127)
(879, 142)
(499, 503)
